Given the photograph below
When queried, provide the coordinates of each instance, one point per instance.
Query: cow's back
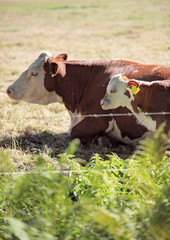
(139, 71)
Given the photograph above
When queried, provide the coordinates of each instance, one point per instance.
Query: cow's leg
(89, 129)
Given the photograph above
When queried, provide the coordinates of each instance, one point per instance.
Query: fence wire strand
(82, 116)
(89, 115)
(80, 171)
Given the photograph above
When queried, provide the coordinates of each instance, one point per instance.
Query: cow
(149, 101)
(80, 86)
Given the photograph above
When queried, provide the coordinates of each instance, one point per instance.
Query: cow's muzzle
(10, 92)
(102, 103)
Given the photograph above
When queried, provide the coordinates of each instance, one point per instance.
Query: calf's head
(30, 86)
(120, 92)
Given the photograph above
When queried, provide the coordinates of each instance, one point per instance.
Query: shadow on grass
(57, 143)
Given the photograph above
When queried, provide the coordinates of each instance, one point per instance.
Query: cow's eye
(113, 91)
(34, 74)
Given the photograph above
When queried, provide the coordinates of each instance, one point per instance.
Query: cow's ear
(134, 86)
(61, 69)
(62, 57)
(53, 69)
(125, 78)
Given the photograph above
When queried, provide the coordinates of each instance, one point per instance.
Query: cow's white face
(115, 94)
(29, 86)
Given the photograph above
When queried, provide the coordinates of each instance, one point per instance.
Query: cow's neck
(139, 106)
(74, 86)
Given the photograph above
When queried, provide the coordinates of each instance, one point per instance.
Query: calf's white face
(29, 86)
(115, 94)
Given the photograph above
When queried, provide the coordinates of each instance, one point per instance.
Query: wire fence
(82, 116)
(89, 115)
(83, 171)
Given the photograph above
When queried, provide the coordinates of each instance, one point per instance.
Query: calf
(147, 100)
(80, 86)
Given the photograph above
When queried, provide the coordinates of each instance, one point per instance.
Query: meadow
(35, 137)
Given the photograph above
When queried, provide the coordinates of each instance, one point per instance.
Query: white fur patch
(75, 119)
(41, 59)
(147, 83)
(115, 132)
(145, 120)
(110, 127)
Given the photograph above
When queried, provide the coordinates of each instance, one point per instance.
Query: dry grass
(129, 29)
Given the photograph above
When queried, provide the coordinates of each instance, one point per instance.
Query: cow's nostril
(8, 91)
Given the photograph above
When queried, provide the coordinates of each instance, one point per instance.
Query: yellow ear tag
(135, 89)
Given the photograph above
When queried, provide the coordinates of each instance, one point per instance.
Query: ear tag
(134, 89)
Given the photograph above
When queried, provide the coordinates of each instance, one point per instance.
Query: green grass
(106, 199)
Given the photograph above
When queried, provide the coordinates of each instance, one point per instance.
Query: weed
(111, 199)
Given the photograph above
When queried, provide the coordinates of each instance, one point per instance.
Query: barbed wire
(78, 116)
(89, 115)
(79, 171)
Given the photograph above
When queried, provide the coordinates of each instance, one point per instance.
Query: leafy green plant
(104, 199)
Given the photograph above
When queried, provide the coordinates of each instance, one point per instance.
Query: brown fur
(154, 98)
(84, 85)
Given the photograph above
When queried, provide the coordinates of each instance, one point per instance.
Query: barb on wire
(61, 171)
(91, 115)
(121, 114)
(76, 171)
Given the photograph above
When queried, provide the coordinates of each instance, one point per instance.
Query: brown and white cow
(149, 101)
(80, 86)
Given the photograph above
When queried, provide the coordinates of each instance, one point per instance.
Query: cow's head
(30, 86)
(120, 92)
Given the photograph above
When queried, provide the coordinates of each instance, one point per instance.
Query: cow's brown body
(82, 85)
(154, 98)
